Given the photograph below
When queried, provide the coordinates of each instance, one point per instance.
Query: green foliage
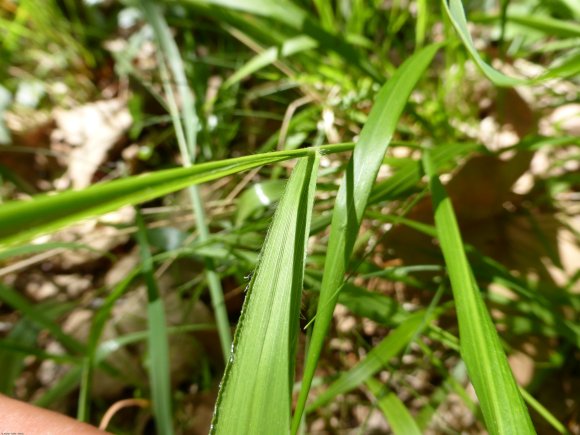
(261, 367)
(352, 199)
(502, 405)
(313, 140)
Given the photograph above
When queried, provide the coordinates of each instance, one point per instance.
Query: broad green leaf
(352, 199)
(375, 360)
(255, 395)
(22, 220)
(501, 402)
(396, 413)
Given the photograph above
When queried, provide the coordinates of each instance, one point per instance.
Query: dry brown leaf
(92, 131)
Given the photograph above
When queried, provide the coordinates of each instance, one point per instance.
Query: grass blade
(40, 316)
(294, 16)
(376, 359)
(396, 413)
(61, 388)
(22, 220)
(256, 390)
(33, 249)
(456, 14)
(271, 55)
(352, 200)
(186, 124)
(157, 339)
(97, 327)
(543, 412)
(550, 26)
(24, 334)
(501, 402)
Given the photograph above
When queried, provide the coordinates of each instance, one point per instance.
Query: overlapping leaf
(255, 395)
(501, 402)
(22, 220)
(353, 197)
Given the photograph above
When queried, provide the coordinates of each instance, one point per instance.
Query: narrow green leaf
(12, 347)
(186, 125)
(97, 326)
(372, 305)
(294, 16)
(184, 118)
(396, 413)
(25, 334)
(33, 249)
(61, 388)
(22, 220)
(501, 402)
(568, 68)
(456, 14)
(326, 14)
(271, 55)
(375, 360)
(421, 25)
(157, 339)
(255, 396)
(408, 175)
(113, 344)
(545, 413)
(352, 200)
(40, 316)
(541, 304)
(550, 26)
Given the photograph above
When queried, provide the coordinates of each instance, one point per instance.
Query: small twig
(117, 406)
(240, 186)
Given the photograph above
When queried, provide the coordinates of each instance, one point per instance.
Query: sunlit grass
(314, 223)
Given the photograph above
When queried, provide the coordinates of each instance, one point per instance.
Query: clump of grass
(328, 87)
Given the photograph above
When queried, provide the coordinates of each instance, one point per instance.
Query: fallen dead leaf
(92, 131)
